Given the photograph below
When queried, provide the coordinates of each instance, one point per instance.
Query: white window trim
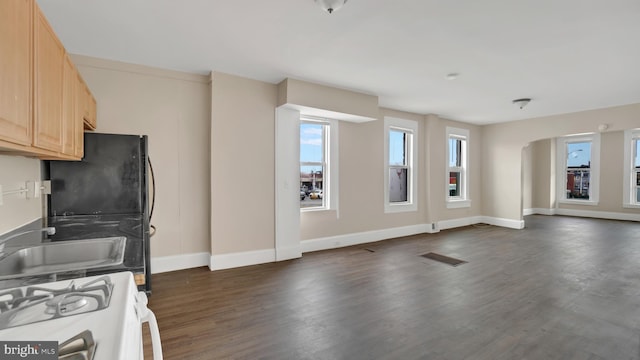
(463, 201)
(561, 171)
(330, 189)
(629, 199)
(409, 126)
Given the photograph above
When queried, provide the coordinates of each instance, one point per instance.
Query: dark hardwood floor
(562, 288)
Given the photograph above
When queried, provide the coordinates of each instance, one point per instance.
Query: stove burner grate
(37, 303)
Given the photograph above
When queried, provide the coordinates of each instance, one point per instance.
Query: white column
(287, 184)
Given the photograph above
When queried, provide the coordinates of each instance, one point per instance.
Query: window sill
(578, 202)
(457, 204)
(631, 206)
(315, 209)
(397, 208)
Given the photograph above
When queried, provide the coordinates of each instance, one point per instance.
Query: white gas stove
(108, 306)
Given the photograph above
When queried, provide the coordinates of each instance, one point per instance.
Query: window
(318, 164)
(457, 166)
(400, 165)
(313, 164)
(578, 171)
(631, 169)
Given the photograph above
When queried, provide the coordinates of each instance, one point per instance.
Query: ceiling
(567, 55)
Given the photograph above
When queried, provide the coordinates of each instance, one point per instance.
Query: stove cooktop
(22, 306)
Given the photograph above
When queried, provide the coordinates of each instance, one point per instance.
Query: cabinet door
(15, 70)
(88, 108)
(70, 115)
(79, 133)
(93, 111)
(48, 71)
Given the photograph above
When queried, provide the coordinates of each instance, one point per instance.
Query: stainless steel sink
(62, 256)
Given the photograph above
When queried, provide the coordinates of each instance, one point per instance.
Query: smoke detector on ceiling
(521, 103)
(330, 5)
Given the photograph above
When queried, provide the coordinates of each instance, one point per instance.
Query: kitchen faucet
(49, 230)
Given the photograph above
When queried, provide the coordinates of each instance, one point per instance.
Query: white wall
(173, 109)
(16, 209)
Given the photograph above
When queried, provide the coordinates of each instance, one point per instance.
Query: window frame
(630, 187)
(330, 162)
(409, 127)
(594, 169)
(463, 200)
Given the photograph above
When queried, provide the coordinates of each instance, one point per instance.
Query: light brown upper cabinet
(72, 127)
(15, 71)
(48, 73)
(79, 132)
(44, 103)
(88, 106)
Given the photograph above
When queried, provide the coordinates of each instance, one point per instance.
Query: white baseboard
(460, 222)
(332, 242)
(233, 260)
(598, 214)
(540, 211)
(178, 262)
(287, 253)
(455, 223)
(508, 223)
(526, 212)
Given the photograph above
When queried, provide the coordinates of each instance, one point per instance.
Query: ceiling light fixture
(452, 76)
(330, 5)
(521, 102)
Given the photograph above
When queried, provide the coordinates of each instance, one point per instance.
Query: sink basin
(62, 256)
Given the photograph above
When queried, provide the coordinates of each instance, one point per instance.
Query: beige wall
(16, 209)
(527, 177)
(172, 108)
(503, 143)
(437, 176)
(361, 199)
(344, 104)
(611, 175)
(542, 174)
(242, 164)
(361, 207)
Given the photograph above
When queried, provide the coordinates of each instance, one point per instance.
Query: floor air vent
(443, 259)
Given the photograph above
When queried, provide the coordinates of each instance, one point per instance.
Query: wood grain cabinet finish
(48, 72)
(79, 121)
(72, 127)
(88, 106)
(15, 71)
(44, 103)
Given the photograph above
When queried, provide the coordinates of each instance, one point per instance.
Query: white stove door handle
(146, 315)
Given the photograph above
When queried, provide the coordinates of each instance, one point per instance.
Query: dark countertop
(85, 227)
(81, 227)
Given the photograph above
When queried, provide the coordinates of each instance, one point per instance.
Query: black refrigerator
(105, 194)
